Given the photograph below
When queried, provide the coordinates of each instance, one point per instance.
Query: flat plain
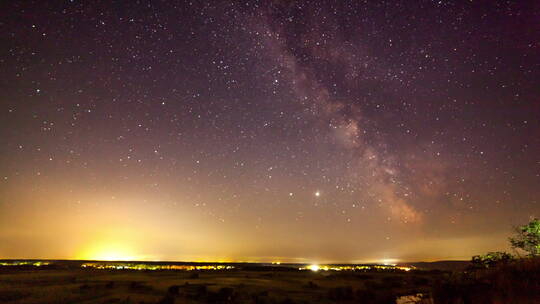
(33, 285)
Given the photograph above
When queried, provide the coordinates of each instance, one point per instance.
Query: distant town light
(391, 262)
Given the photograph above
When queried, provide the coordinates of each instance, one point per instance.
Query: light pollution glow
(319, 133)
(125, 230)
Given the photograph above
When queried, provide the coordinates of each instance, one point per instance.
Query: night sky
(340, 131)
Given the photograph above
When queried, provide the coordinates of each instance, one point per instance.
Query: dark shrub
(226, 293)
(135, 285)
(261, 298)
(491, 259)
(370, 297)
(174, 290)
(201, 289)
(514, 282)
(127, 301)
(365, 296)
(364, 277)
(257, 299)
(168, 299)
(8, 296)
(139, 287)
(340, 293)
(420, 281)
(373, 285)
(196, 292)
(386, 298)
(463, 292)
(287, 301)
(392, 282)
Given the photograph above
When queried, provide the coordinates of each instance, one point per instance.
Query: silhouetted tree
(491, 259)
(527, 238)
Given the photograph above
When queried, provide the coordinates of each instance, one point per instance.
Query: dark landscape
(270, 151)
(35, 281)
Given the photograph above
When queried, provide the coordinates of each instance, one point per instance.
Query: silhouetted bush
(224, 294)
(419, 281)
(340, 293)
(139, 287)
(371, 297)
(195, 291)
(287, 301)
(261, 298)
(257, 299)
(11, 295)
(514, 282)
(491, 259)
(373, 285)
(464, 291)
(364, 276)
(168, 299)
(126, 301)
(174, 290)
(365, 296)
(135, 285)
(392, 282)
(201, 289)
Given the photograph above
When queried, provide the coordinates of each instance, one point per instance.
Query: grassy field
(231, 286)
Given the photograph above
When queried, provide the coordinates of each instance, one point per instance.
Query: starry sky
(299, 131)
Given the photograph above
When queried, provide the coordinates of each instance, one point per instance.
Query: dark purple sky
(267, 130)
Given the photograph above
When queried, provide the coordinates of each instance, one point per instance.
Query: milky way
(338, 131)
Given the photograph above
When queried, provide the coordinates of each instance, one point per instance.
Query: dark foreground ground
(27, 284)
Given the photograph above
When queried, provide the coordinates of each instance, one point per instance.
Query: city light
(112, 265)
(355, 267)
(24, 263)
(148, 266)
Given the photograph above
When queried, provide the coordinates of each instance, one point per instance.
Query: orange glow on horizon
(109, 252)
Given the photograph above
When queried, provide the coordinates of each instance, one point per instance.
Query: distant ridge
(441, 265)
